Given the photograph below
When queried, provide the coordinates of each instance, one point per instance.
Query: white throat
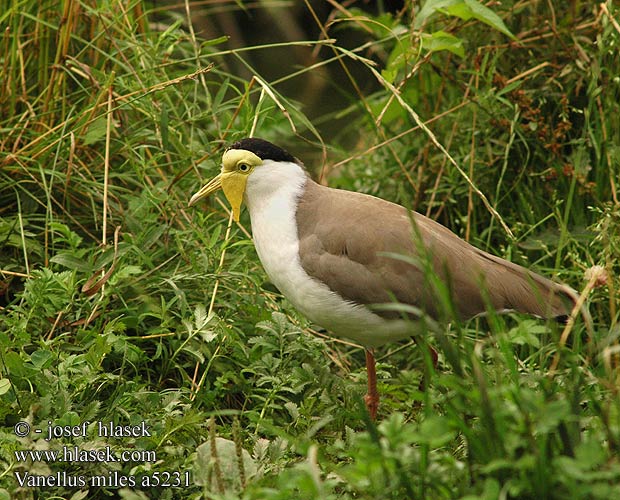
(271, 196)
(274, 183)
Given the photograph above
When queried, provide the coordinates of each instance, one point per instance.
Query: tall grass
(121, 305)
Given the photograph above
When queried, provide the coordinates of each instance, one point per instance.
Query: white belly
(275, 236)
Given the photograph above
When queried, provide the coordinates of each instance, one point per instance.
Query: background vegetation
(121, 305)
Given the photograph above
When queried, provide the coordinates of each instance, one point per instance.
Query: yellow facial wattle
(237, 165)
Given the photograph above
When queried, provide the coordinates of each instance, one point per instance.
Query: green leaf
(70, 418)
(5, 385)
(463, 9)
(459, 9)
(201, 322)
(487, 16)
(590, 454)
(570, 468)
(440, 40)
(124, 272)
(200, 316)
(69, 260)
(41, 358)
(435, 431)
(509, 88)
(389, 75)
(526, 333)
(79, 495)
(214, 236)
(430, 7)
(15, 365)
(228, 455)
(491, 491)
(293, 409)
(96, 131)
(551, 415)
(216, 41)
(97, 351)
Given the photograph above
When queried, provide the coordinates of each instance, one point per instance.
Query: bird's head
(238, 164)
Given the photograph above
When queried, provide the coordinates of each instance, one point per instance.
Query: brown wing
(344, 238)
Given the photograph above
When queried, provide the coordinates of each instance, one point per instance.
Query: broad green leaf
(487, 16)
(389, 75)
(5, 385)
(15, 366)
(69, 260)
(460, 9)
(70, 418)
(463, 9)
(440, 40)
(41, 358)
(96, 131)
(430, 7)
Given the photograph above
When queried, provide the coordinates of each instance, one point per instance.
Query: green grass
(119, 304)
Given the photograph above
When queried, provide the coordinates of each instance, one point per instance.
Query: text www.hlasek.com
(72, 454)
(76, 454)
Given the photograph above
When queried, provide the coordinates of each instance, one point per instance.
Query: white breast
(271, 196)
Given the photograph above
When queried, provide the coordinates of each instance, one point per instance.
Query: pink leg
(372, 398)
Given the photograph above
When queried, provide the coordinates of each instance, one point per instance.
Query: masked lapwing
(338, 256)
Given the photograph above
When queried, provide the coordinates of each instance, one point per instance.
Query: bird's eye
(243, 167)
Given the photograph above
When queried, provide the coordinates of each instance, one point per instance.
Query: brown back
(352, 242)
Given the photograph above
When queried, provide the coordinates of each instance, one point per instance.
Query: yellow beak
(208, 189)
(233, 184)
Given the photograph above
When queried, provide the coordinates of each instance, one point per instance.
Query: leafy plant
(120, 305)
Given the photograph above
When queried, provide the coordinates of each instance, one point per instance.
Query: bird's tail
(527, 292)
